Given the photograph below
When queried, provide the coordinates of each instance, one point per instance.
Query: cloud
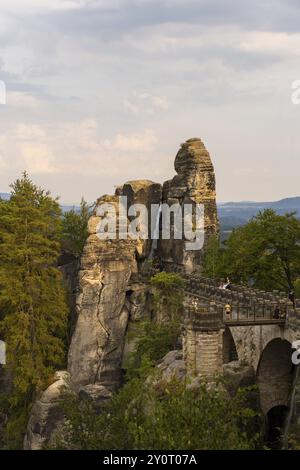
(18, 99)
(145, 103)
(273, 43)
(44, 6)
(147, 74)
(37, 158)
(133, 108)
(159, 102)
(29, 132)
(75, 148)
(144, 142)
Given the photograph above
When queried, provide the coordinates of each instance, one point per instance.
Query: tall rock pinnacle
(194, 184)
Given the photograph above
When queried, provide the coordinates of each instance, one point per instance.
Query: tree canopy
(74, 226)
(33, 308)
(264, 253)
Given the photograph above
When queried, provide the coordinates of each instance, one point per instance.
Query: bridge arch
(251, 341)
(229, 347)
(275, 374)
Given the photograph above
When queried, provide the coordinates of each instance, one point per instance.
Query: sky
(99, 92)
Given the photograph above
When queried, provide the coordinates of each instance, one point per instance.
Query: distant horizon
(67, 203)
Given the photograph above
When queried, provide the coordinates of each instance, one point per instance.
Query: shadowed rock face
(193, 184)
(96, 349)
(144, 192)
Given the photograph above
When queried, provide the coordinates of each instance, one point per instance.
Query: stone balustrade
(244, 301)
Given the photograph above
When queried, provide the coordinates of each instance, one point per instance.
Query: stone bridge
(250, 334)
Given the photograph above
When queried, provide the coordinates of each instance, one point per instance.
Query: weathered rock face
(98, 394)
(147, 193)
(46, 416)
(138, 303)
(96, 349)
(172, 366)
(193, 184)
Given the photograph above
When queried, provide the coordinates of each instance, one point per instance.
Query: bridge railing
(245, 303)
(212, 314)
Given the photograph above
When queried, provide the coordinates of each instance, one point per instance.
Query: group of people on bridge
(279, 312)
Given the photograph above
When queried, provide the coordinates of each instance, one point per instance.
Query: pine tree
(33, 308)
(75, 230)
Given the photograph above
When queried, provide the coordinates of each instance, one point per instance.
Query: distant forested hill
(233, 214)
(4, 196)
(65, 207)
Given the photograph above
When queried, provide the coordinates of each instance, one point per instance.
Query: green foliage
(160, 415)
(293, 441)
(154, 342)
(212, 259)
(168, 293)
(33, 305)
(265, 252)
(297, 288)
(167, 282)
(75, 228)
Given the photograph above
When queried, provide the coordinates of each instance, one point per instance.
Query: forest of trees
(33, 298)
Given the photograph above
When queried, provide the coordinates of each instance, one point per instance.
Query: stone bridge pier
(203, 339)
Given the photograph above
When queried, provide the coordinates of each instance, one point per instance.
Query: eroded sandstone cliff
(108, 298)
(194, 184)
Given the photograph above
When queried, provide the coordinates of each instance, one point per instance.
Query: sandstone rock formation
(98, 394)
(193, 184)
(96, 349)
(46, 415)
(172, 366)
(107, 297)
(149, 194)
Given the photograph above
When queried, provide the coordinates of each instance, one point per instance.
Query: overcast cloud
(102, 91)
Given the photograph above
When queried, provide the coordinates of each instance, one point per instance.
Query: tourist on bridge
(292, 297)
(283, 314)
(225, 285)
(227, 311)
(277, 313)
